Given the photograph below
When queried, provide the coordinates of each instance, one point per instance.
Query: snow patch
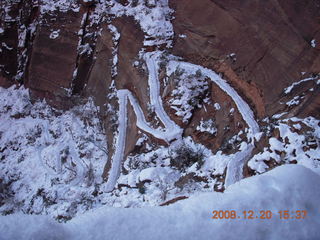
(207, 126)
(287, 187)
(54, 34)
(289, 89)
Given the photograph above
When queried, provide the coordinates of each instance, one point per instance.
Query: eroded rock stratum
(150, 100)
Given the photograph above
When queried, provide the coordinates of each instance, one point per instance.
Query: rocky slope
(190, 96)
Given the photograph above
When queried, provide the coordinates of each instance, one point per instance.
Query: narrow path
(242, 106)
(172, 131)
(56, 169)
(120, 142)
(236, 163)
(155, 96)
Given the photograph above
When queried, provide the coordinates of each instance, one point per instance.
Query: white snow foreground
(289, 187)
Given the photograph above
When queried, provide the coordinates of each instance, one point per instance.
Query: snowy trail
(57, 168)
(293, 85)
(45, 144)
(45, 138)
(155, 97)
(172, 131)
(236, 163)
(168, 134)
(80, 166)
(242, 106)
(120, 142)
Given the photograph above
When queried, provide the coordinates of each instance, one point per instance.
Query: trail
(155, 96)
(236, 163)
(171, 130)
(65, 141)
(120, 142)
(242, 106)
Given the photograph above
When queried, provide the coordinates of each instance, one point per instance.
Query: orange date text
(262, 214)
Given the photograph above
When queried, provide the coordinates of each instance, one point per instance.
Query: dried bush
(184, 156)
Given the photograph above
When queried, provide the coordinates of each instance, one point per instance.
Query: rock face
(270, 41)
(66, 52)
(54, 56)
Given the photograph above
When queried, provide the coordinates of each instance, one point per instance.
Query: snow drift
(289, 187)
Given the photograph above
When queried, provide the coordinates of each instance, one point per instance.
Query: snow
(207, 126)
(59, 5)
(155, 98)
(291, 145)
(242, 106)
(54, 34)
(313, 43)
(182, 36)
(50, 161)
(188, 92)
(7, 8)
(22, 34)
(289, 187)
(293, 102)
(60, 169)
(115, 38)
(217, 106)
(275, 144)
(232, 56)
(6, 46)
(258, 136)
(120, 142)
(236, 162)
(158, 174)
(289, 89)
(277, 116)
(141, 140)
(154, 19)
(171, 132)
(216, 163)
(168, 134)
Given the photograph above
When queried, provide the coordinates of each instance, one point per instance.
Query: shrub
(185, 156)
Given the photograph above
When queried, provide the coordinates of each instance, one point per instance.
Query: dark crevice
(263, 55)
(219, 5)
(28, 45)
(77, 85)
